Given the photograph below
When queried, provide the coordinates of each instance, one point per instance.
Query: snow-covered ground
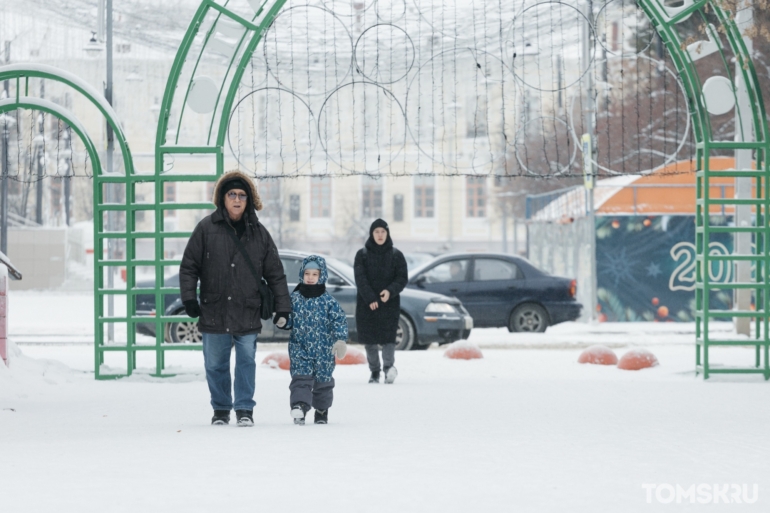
(525, 429)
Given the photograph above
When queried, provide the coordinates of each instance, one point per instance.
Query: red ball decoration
(352, 357)
(463, 350)
(598, 355)
(637, 359)
(277, 361)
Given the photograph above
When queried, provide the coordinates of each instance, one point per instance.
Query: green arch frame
(23, 72)
(666, 22)
(212, 21)
(24, 102)
(20, 74)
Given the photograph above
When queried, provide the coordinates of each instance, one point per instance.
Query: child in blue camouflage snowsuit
(319, 330)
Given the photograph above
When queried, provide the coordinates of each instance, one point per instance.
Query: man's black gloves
(281, 320)
(192, 308)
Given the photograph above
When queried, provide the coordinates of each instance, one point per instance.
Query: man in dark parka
(381, 274)
(229, 307)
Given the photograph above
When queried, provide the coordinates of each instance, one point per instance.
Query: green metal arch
(250, 32)
(228, 87)
(23, 102)
(665, 21)
(19, 72)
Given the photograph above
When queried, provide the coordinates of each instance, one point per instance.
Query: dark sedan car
(500, 290)
(426, 317)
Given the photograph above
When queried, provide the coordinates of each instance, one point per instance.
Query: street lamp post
(94, 48)
(40, 160)
(588, 154)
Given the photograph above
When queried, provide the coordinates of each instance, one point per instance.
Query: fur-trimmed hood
(232, 175)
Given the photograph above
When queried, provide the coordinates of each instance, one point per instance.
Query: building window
(208, 191)
(424, 196)
(320, 197)
(169, 193)
(476, 196)
(123, 48)
(169, 196)
(270, 194)
(398, 207)
(371, 201)
(476, 124)
(294, 207)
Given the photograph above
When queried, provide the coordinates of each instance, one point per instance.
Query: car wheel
(183, 333)
(528, 318)
(404, 334)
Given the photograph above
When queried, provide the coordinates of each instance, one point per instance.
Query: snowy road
(522, 430)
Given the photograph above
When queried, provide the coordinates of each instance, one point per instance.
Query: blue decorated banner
(646, 267)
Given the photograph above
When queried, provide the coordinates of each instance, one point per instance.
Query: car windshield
(415, 260)
(418, 269)
(342, 268)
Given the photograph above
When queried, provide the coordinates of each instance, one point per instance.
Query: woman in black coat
(381, 275)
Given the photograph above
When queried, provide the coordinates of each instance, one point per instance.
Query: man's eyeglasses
(232, 195)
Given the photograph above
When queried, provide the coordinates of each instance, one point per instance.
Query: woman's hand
(374, 306)
(384, 295)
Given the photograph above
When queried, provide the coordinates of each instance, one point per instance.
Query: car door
(345, 294)
(495, 287)
(449, 277)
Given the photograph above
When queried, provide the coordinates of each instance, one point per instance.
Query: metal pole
(108, 170)
(108, 88)
(504, 223)
(589, 114)
(515, 236)
(744, 18)
(560, 101)
(68, 180)
(40, 155)
(451, 211)
(4, 190)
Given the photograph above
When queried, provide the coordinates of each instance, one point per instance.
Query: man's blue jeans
(216, 356)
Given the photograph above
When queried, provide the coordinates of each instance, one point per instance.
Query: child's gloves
(280, 320)
(339, 349)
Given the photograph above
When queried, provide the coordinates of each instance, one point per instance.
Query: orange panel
(664, 197)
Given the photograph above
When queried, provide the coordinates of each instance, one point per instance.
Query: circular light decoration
(308, 50)
(390, 12)
(669, 116)
(630, 35)
(258, 143)
(545, 37)
(384, 54)
(202, 97)
(719, 95)
(372, 132)
(540, 157)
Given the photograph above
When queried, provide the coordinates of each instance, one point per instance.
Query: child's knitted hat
(312, 264)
